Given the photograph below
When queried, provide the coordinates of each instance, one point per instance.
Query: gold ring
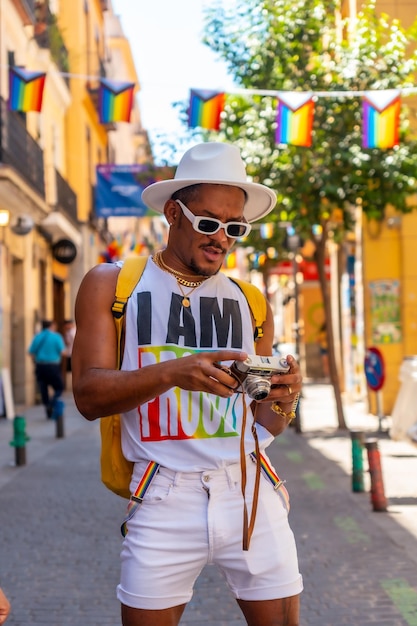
(289, 390)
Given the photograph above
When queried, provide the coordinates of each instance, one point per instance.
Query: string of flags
(26, 89)
(294, 116)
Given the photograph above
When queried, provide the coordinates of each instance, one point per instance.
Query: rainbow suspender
(137, 498)
(273, 478)
(152, 468)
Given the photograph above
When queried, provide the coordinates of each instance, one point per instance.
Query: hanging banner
(295, 115)
(205, 109)
(25, 90)
(119, 188)
(381, 118)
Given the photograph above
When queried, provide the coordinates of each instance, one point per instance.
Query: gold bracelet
(291, 414)
(277, 409)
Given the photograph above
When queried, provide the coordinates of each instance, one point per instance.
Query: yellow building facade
(48, 161)
(390, 267)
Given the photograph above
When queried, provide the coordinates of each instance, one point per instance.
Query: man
(182, 406)
(47, 349)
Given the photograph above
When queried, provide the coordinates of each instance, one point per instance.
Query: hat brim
(260, 199)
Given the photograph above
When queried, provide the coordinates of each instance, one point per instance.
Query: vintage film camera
(255, 373)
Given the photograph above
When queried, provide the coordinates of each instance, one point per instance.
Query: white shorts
(188, 520)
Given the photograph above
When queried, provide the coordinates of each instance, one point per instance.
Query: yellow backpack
(116, 471)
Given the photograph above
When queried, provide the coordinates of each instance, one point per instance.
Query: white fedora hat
(213, 163)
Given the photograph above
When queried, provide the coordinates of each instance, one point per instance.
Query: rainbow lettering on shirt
(179, 414)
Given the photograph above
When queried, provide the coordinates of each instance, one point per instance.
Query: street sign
(374, 369)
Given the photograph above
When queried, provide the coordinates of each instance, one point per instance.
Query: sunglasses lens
(236, 230)
(207, 225)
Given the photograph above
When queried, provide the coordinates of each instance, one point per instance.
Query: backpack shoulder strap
(257, 304)
(129, 276)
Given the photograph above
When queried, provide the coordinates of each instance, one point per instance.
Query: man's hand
(286, 387)
(204, 371)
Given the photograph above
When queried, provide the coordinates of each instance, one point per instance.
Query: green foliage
(58, 50)
(299, 45)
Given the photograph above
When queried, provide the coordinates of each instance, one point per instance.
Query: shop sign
(64, 251)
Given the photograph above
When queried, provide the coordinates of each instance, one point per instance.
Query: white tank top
(186, 430)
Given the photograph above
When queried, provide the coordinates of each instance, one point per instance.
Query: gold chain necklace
(163, 265)
(177, 275)
(185, 296)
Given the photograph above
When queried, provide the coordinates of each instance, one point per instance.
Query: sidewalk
(398, 458)
(60, 542)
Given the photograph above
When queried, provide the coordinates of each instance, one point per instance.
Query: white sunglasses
(210, 225)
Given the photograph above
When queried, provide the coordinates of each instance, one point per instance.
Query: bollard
(379, 502)
(58, 416)
(357, 461)
(20, 439)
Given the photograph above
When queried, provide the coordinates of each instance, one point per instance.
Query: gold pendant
(185, 302)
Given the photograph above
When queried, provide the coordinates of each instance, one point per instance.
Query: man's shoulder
(98, 280)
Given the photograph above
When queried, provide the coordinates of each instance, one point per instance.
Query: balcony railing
(66, 198)
(20, 150)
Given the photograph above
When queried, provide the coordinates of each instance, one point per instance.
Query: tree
(304, 45)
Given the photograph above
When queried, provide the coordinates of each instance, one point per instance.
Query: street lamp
(4, 220)
(4, 217)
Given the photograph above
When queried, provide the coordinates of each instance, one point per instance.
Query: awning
(59, 227)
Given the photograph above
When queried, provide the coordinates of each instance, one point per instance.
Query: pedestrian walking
(69, 336)
(47, 349)
(187, 419)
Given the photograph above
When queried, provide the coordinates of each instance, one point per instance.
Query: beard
(204, 271)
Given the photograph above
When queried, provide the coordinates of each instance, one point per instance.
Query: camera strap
(248, 524)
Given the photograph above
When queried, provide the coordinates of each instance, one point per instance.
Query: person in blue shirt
(47, 349)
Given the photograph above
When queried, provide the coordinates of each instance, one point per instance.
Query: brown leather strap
(248, 525)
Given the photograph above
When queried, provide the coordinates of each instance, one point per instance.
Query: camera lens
(257, 387)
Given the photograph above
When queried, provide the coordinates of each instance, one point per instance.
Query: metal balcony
(19, 150)
(66, 198)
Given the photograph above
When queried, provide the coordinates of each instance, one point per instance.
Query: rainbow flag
(115, 101)
(295, 115)
(205, 108)
(381, 118)
(25, 89)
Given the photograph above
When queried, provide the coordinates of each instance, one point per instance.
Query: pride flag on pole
(295, 114)
(205, 108)
(25, 90)
(115, 101)
(381, 118)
